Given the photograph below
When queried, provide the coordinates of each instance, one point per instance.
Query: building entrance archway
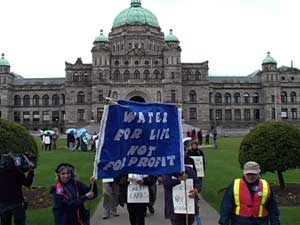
(137, 99)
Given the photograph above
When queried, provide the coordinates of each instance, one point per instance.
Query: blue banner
(140, 138)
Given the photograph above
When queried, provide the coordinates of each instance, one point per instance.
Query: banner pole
(186, 204)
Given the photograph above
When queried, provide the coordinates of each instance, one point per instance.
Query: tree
(15, 138)
(274, 145)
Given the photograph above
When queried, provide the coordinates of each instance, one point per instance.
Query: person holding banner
(69, 194)
(134, 191)
(249, 200)
(176, 206)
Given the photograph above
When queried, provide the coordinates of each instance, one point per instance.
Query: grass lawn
(223, 167)
(45, 176)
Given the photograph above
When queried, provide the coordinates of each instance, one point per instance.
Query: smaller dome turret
(269, 59)
(101, 37)
(3, 61)
(171, 37)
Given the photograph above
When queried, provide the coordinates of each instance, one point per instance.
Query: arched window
(63, 98)
(218, 98)
(293, 97)
(246, 98)
(36, 100)
(255, 98)
(115, 95)
(126, 75)
(117, 76)
(55, 99)
(17, 100)
(80, 97)
(45, 100)
(237, 98)
(137, 74)
(227, 98)
(157, 74)
(283, 97)
(26, 100)
(193, 96)
(210, 97)
(198, 75)
(158, 96)
(146, 74)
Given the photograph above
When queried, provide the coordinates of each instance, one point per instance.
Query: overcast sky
(38, 36)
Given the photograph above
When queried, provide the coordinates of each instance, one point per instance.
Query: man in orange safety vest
(249, 200)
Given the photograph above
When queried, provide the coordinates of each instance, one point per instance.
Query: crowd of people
(249, 200)
(75, 143)
(200, 135)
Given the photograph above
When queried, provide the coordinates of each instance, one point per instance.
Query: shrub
(274, 145)
(15, 138)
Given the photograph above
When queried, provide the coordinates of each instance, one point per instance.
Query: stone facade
(138, 62)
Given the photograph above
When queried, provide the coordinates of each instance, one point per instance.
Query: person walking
(200, 137)
(69, 195)
(207, 138)
(136, 211)
(215, 138)
(12, 204)
(249, 200)
(169, 181)
(110, 199)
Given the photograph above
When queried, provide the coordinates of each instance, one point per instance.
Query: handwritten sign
(137, 193)
(198, 160)
(182, 202)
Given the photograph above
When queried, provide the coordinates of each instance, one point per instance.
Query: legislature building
(137, 61)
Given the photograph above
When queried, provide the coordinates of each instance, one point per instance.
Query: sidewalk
(208, 214)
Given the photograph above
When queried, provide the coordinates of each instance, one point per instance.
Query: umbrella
(69, 130)
(186, 139)
(81, 132)
(88, 136)
(51, 132)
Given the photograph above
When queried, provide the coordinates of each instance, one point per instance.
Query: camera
(21, 161)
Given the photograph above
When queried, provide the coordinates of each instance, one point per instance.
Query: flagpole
(275, 104)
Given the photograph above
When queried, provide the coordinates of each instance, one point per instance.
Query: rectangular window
(172, 75)
(46, 116)
(294, 113)
(247, 115)
(99, 114)
(218, 114)
(36, 116)
(256, 113)
(100, 96)
(228, 115)
(211, 114)
(237, 114)
(80, 115)
(273, 114)
(55, 116)
(193, 113)
(26, 116)
(273, 98)
(284, 113)
(173, 96)
(17, 116)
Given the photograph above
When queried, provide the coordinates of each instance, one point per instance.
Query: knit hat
(251, 167)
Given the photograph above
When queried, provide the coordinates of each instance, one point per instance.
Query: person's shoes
(105, 216)
(114, 213)
(151, 209)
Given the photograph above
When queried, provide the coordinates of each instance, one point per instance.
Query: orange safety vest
(245, 204)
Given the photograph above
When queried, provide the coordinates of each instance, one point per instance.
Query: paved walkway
(208, 214)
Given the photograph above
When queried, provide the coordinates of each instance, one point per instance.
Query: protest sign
(140, 138)
(181, 199)
(198, 160)
(137, 193)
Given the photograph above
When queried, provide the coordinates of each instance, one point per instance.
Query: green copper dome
(171, 37)
(269, 59)
(3, 61)
(101, 37)
(135, 15)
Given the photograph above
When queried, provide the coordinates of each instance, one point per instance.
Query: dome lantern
(3, 61)
(101, 37)
(171, 37)
(269, 59)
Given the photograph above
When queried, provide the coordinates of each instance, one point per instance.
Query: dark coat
(66, 209)
(227, 216)
(171, 180)
(123, 183)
